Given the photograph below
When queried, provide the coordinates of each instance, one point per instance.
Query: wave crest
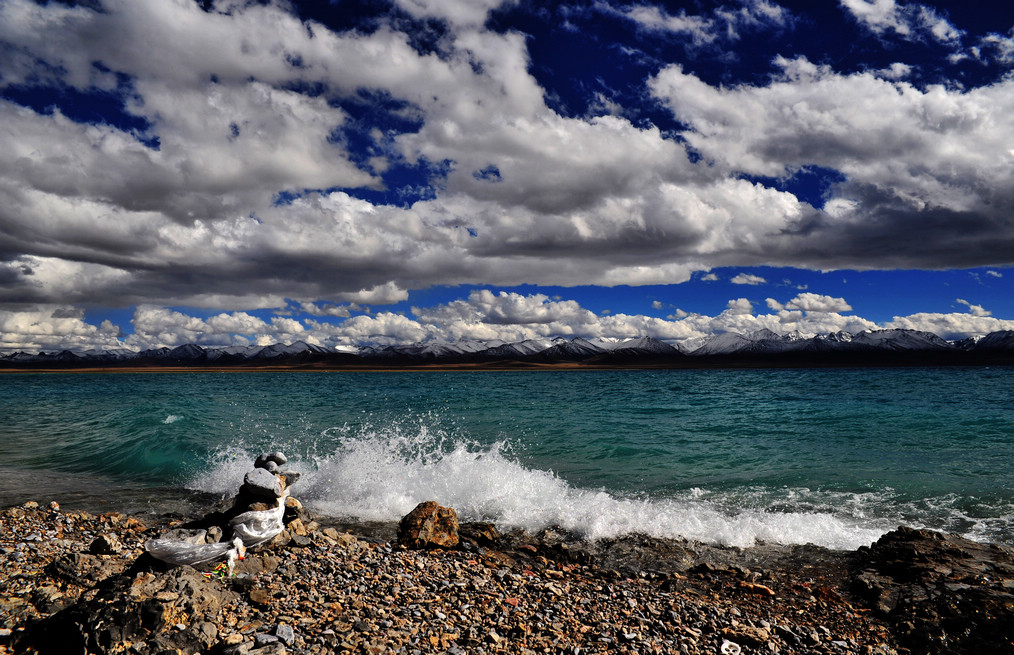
(382, 474)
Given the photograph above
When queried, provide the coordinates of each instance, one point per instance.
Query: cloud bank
(249, 156)
(484, 315)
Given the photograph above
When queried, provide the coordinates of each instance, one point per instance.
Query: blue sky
(394, 171)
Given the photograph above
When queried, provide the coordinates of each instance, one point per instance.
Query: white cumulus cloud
(746, 278)
(812, 302)
(975, 310)
(911, 20)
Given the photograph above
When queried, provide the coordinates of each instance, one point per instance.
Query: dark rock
(429, 526)
(747, 635)
(480, 534)
(256, 564)
(49, 599)
(642, 552)
(942, 593)
(276, 458)
(147, 607)
(238, 649)
(294, 510)
(260, 596)
(262, 639)
(276, 648)
(105, 544)
(84, 570)
(562, 552)
(214, 534)
(206, 632)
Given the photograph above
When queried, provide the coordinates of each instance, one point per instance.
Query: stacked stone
(264, 486)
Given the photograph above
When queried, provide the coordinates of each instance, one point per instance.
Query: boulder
(942, 593)
(261, 483)
(429, 526)
(144, 607)
(84, 570)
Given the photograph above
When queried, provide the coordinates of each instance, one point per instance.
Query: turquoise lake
(834, 457)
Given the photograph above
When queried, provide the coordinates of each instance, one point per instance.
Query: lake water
(834, 457)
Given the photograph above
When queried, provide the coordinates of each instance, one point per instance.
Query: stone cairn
(170, 600)
(256, 517)
(265, 488)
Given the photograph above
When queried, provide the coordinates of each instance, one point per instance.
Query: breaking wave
(380, 474)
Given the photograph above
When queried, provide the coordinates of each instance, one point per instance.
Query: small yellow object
(222, 571)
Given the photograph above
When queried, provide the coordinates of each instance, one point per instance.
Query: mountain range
(761, 348)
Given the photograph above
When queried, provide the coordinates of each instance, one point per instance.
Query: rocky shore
(73, 582)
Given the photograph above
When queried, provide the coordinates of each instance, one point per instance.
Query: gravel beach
(77, 582)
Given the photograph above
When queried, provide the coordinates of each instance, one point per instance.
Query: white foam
(381, 475)
(172, 418)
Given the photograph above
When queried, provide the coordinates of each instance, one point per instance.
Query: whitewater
(830, 457)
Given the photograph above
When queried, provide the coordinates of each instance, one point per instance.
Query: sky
(374, 172)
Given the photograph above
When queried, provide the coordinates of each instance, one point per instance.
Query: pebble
(342, 593)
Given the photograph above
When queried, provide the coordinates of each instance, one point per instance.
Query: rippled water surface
(834, 457)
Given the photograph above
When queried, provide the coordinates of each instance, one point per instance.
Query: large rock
(429, 526)
(84, 570)
(261, 483)
(942, 593)
(178, 609)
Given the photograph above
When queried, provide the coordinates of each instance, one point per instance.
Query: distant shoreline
(448, 367)
(763, 349)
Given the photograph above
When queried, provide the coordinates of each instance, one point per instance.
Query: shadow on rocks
(175, 609)
(941, 593)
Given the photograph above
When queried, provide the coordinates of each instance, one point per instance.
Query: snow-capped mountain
(767, 342)
(646, 345)
(518, 350)
(901, 340)
(763, 347)
(574, 350)
(761, 341)
(297, 348)
(230, 352)
(1000, 341)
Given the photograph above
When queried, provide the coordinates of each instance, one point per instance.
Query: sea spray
(380, 474)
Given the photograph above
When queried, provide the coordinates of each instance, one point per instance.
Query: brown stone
(260, 597)
(755, 588)
(429, 526)
(747, 635)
